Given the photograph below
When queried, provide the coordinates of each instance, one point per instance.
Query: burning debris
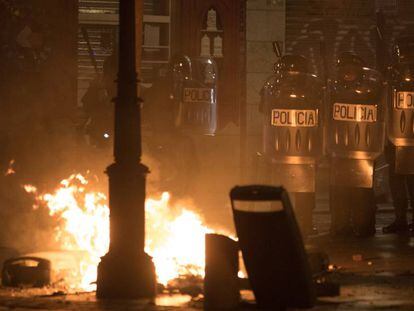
(83, 225)
(175, 235)
(10, 170)
(175, 239)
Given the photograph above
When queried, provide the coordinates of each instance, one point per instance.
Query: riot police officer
(98, 109)
(400, 149)
(195, 94)
(180, 104)
(355, 138)
(292, 128)
(97, 104)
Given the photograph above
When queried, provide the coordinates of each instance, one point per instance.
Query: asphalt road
(374, 274)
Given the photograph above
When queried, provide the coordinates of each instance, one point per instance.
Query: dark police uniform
(293, 132)
(400, 150)
(402, 193)
(355, 138)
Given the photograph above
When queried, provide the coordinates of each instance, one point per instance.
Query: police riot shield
(195, 89)
(355, 125)
(292, 128)
(401, 105)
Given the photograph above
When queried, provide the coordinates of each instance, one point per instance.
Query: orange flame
(176, 242)
(10, 170)
(175, 235)
(30, 188)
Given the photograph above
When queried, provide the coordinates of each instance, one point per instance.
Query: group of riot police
(351, 118)
(400, 148)
(181, 102)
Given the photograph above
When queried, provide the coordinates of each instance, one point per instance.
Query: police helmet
(403, 50)
(292, 63)
(349, 67)
(180, 67)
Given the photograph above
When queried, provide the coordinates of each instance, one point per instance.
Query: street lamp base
(126, 278)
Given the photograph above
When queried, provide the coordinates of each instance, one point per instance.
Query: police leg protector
(410, 188)
(398, 189)
(363, 211)
(340, 209)
(304, 206)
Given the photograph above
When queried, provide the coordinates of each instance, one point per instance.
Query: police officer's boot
(304, 206)
(397, 226)
(400, 224)
(363, 212)
(340, 212)
(411, 225)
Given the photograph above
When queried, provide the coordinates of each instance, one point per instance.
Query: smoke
(28, 229)
(42, 130)
(21, 227)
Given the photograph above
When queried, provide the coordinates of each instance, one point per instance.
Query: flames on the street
(174, 234)
(174, 238)
(10, 170)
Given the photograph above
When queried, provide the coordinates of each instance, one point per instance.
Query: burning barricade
(175, 239)
(189, 257)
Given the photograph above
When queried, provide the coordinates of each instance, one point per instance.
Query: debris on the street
(318, 261)
(26, 271)
(55, 294)
(327, 289)
(332, 268)
(186, 285)
(357, 257)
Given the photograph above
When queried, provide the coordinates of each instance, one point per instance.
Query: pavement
(374, 274)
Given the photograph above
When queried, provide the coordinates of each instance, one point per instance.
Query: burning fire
(175, 235)
(10, 170)
(174, 240)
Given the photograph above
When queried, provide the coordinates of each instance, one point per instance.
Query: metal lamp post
(126, 271)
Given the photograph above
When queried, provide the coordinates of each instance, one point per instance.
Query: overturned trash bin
(26, 271)
(272, 247)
